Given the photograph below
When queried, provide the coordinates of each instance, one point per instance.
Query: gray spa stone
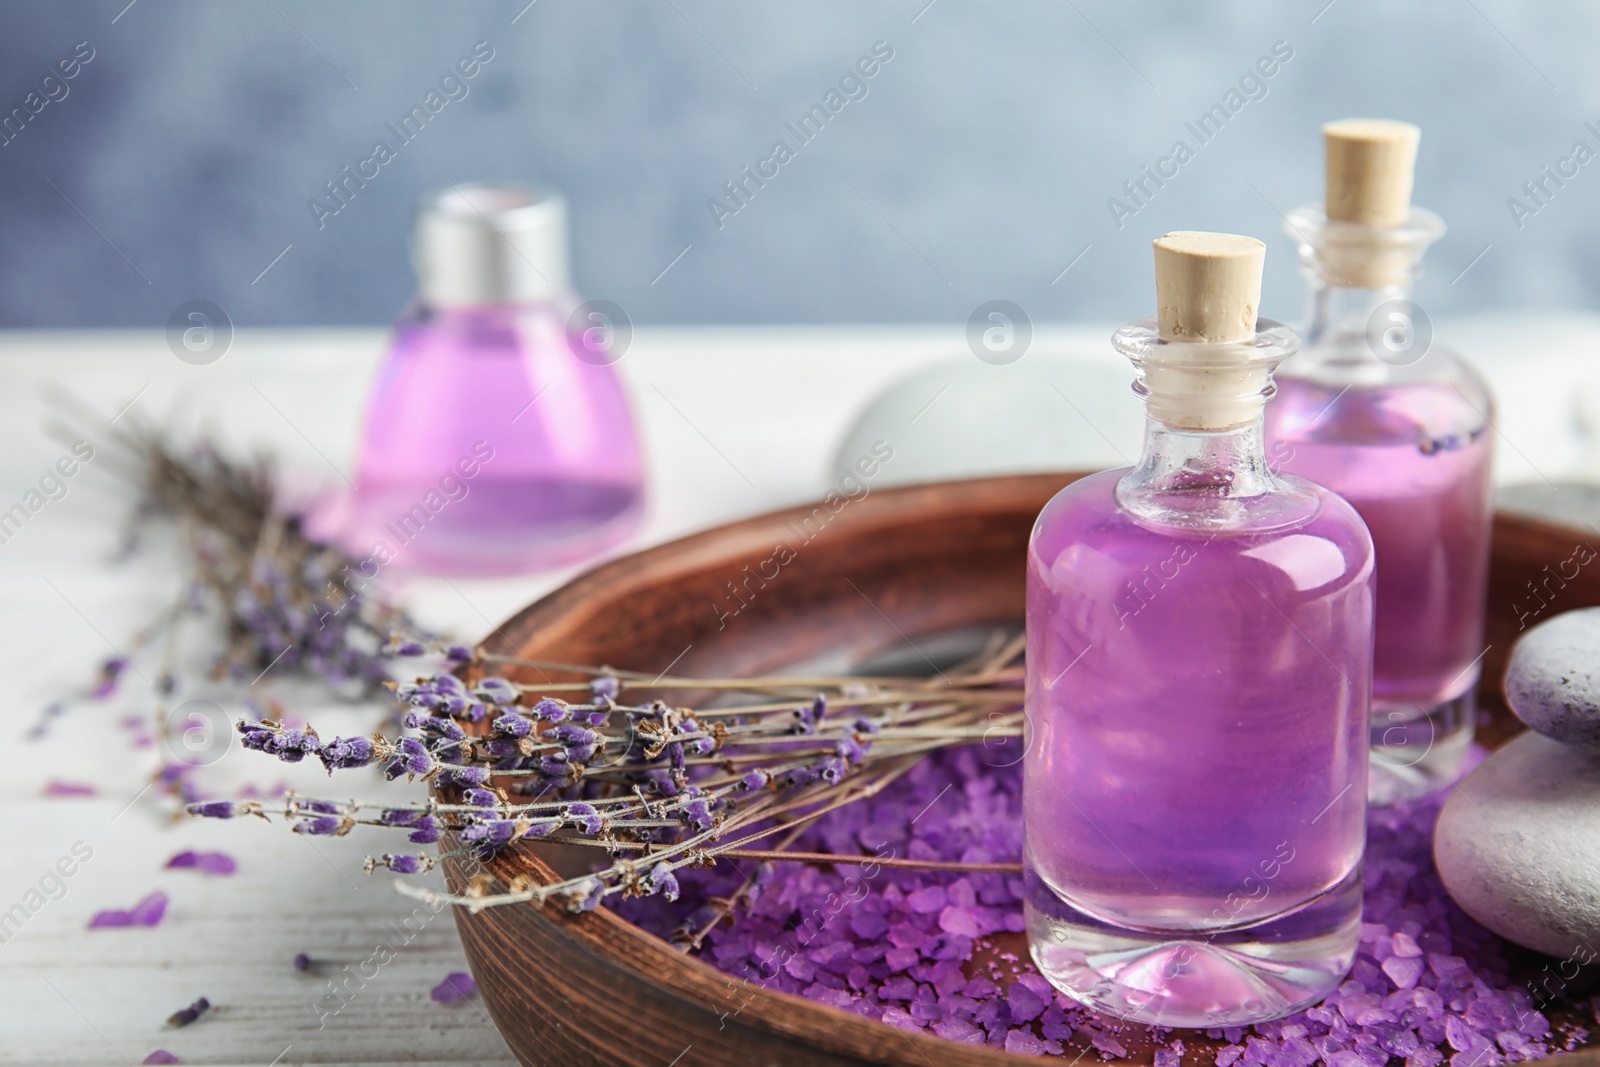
(1553, 683)
(1518, 846)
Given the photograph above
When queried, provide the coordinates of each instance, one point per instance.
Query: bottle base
(1233, 977)
(1417, 751)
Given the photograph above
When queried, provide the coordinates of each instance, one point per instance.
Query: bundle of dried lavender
(278, 598)
(657, 787)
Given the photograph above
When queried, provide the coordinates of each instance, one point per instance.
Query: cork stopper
(1208, 286)
(1370, 164)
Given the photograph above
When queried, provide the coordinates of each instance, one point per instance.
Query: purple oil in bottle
(549, 437)
(1414, 460)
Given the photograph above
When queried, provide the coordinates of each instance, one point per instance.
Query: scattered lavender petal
(457, 985)
(57, 788)
(160, 1056)
(206, 862)
(184, 1016)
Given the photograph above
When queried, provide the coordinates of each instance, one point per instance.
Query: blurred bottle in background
(498, 438)
(1402, 429)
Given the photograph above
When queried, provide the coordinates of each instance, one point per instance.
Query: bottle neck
(1339, 312)
(1209, 463)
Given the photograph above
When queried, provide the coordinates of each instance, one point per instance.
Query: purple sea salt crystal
(1403, 971)
(457, 986)
(184, 1016)
(1025, 1004)
(662, 881)
(345, 753)
(206, 862)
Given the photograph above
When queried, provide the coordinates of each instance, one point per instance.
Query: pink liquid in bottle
(1199, 670)
(498, 436)
(1401, 428)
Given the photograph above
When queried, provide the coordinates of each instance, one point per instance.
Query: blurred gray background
(977, 163)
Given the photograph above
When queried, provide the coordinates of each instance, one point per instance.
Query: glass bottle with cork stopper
(1199, 650)
(1401, 428)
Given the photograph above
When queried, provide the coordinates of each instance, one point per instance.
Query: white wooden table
(735, 421)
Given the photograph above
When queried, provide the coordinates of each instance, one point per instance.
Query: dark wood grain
(886, 571)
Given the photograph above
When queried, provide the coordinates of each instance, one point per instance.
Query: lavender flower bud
(832, 769)
(475, 712)
(458, 653)
(481, 798)
(586, 895)
(496, 691)
(426, 832)
(850, 750)
(406, 863)
(697, 813)
(292, 746)
(464, 776)
(344, 753)
(551, 710)
(399, 816)
(584, 817)
(184, 1016)
(513, 725)
(407, 648)
(755, 780)
(604, 688)
(324, 826)
(661, 880)
(225, 809)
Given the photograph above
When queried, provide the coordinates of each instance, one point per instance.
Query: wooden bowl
(893, 569)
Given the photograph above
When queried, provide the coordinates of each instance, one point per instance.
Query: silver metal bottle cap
(491, 244)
